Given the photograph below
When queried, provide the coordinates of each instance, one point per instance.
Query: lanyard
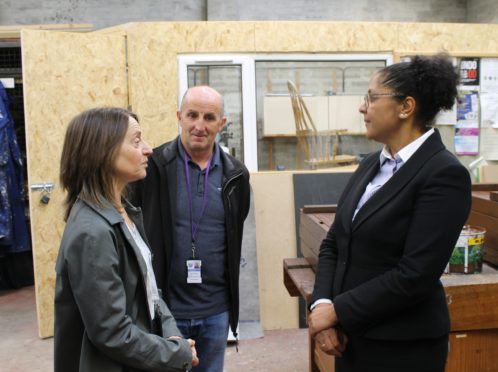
(194, 226)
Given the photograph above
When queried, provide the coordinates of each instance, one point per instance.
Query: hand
(321, 318)
(191, 343)
(332, 341)
(175, 338)
(195, 360)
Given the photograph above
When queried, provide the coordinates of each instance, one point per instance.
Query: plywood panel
(473, 351)
(14, 31)
(448, 37)
(154, 78)
(63, 74)
(325, 36)
(154, 46)
(275, 227)
(216, 37)
(71, 72)
(153, 49)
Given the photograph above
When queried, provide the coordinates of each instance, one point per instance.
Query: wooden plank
(482, 203)
(473, 351)
(484, 186)
(319, 208)
(313, 229)
(299, 278)
(315, 224)
(324, 219)
(290, 285)
(291, 282)
(14, 31)
(490, 223)
(295, 263)
(473, 306)
(327, 219)
(310, 240)
(57, 86)
(309, 254)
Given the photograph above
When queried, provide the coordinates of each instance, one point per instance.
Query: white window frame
(248, 63)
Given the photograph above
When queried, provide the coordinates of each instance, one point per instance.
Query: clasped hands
(191, 343)
(322, 323)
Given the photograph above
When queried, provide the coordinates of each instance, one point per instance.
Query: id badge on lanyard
(194, 271)
(194, 265)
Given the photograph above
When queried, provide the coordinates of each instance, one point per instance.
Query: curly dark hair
(432, 81)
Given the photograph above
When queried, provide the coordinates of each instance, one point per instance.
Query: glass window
(307, 112)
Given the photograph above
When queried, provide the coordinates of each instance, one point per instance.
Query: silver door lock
(46, 189)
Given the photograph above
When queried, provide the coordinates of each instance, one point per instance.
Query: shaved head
(201, 119)
(207, 92)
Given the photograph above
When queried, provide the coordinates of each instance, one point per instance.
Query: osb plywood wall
(274, 202)
(153, 51)
(63, 74)
(68, 73)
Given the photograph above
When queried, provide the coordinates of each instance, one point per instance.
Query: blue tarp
(14, 236)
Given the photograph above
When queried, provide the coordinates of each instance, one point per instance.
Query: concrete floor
(22, 350)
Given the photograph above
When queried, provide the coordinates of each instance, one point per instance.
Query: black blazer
(382, 270)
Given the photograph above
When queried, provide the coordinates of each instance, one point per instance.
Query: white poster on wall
(467, 141)
(489, 110)
(489, 139)
(489, 75)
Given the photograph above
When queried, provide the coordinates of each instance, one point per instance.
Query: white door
(233, 77)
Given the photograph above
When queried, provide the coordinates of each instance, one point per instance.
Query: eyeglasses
(368, 97)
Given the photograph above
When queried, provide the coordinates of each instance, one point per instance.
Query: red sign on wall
(469, 71)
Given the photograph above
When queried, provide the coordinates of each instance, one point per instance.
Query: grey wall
(100, 13)
(482, 11)
(112, 12)
(340, 10)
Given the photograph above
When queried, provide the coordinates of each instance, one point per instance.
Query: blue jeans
(210, 336)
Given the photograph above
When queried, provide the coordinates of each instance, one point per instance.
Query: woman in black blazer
(378, 303)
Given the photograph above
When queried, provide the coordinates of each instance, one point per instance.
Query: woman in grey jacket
(109, 315)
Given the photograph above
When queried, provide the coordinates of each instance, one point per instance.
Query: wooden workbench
(472, 301)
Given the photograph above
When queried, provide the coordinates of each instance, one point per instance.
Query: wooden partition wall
(135, 65)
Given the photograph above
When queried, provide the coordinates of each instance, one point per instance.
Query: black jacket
(156, 194)
(382, 269)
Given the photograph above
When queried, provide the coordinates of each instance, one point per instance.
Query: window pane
(308, 131)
